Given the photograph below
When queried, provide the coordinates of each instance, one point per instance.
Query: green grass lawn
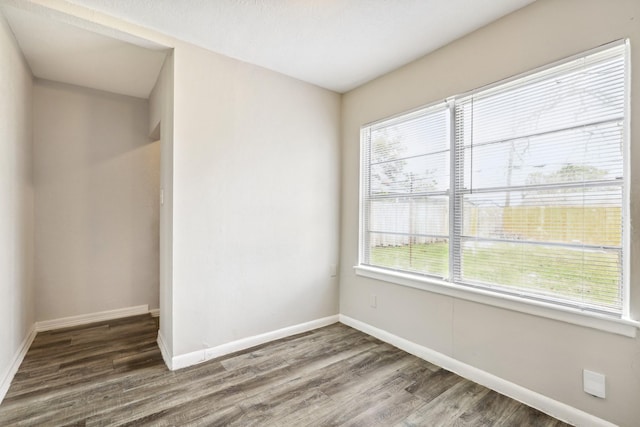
(541, 269)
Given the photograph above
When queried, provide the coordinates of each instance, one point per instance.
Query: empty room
(346, 212)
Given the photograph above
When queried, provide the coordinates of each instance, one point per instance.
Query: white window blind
(538, 197)
(406, 181)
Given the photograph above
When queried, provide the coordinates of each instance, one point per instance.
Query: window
(407, 192)
(518, 188)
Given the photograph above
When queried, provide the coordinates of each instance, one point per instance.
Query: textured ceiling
(336, 44)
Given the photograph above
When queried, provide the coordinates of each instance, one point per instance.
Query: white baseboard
(164, 351)
(154, 312)
(83, 319)
(188, 359)
(7, 377)
(531, 398)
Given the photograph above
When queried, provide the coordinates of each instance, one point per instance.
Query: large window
(519, 188)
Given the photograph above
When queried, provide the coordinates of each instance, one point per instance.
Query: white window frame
(622, 325)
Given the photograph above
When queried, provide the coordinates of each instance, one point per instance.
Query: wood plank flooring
(111, 373)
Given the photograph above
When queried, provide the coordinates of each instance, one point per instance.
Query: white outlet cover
(594, 383)
(373, 302)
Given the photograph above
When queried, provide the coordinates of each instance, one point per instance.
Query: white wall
(543, 355)
(96, 180)
(256, 200)
(16, 202)
(161, 122)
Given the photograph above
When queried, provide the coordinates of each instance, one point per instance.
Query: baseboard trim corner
(5, 380)
(199, 356)
(83, 319)
(166, 356)
(154, 312)
(531, 398)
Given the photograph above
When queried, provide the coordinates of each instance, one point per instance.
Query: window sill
(626, 327)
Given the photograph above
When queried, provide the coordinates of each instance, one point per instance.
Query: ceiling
(335, 44)
(66, 53)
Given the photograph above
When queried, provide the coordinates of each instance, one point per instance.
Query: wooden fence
(598, 225)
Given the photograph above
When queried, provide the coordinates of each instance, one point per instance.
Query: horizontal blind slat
(539, 186)
(556, 138)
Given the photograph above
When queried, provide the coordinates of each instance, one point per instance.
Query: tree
(386, 153)
(568, 173)
(388, 172)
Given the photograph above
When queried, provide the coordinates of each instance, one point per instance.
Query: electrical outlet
(373, 301)
(594, 383)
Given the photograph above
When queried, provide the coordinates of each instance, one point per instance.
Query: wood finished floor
(111, 373)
